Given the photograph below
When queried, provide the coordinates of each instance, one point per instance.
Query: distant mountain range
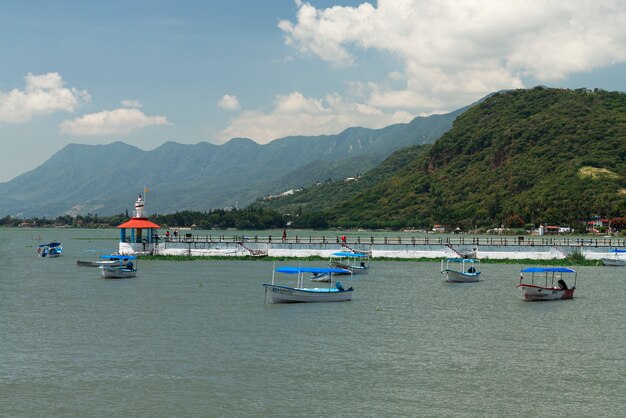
(520, 157)
(105, 179)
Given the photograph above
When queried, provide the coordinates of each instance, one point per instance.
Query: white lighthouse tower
(139, 204)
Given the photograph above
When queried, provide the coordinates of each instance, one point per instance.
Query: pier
(436, 246)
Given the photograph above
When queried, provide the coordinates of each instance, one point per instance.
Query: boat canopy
(51, 245)
(617, 250)
(548, 270)
(347, 254)
(317, 270)
(118, 257)
(463, 260)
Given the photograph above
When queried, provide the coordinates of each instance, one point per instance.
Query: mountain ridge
(104, 179)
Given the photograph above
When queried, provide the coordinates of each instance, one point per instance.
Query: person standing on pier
(284, 234)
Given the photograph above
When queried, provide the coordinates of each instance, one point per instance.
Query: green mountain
(524, 156)
(105, 179)
(325, 194)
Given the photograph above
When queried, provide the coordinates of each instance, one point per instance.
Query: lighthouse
(138, 213)
(143, 237)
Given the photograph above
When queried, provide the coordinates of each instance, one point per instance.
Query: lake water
(196, 339)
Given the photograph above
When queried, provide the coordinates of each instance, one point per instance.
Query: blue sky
(147, 72)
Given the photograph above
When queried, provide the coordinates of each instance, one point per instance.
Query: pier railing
(402, 240)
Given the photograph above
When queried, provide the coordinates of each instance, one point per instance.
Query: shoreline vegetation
(576, 260)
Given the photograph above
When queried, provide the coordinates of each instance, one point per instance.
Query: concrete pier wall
(378, 250)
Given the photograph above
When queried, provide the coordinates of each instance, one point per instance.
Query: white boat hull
(286, 294)
(537, 293)
(460, 277)
(613, 262)
(117, 273)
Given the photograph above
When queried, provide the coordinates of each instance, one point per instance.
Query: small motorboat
(461, 270)
(354, 262)
(122, 270)
(546, 283)
(615, 261)
(51, 250)
(321, 277)
(105, 260)
(299, 293)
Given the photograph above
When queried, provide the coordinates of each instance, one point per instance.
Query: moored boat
(546, 283)
(105, 260)
(122, 270)
(461, 270)
(299, 293)
(356, 263)
(321, 277)
(615, 261)
(51, 250)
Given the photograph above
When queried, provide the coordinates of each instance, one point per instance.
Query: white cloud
(44, 94)
(131, 103)
(229, 102)
(456, 52)
(111, 122)
(295, 114)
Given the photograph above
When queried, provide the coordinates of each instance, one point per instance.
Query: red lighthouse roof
(139, 223)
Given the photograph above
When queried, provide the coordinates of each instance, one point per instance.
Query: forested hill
(519, 157)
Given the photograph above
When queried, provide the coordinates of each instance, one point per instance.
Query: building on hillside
(598, 223)
(439, 229)
(594, 225)
(550, 230)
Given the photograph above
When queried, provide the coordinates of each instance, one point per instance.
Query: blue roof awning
(347, 254)
(317, 270)
(118, 257)
(51, 245)
(548, 270)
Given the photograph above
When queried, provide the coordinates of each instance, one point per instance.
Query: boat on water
(105, 260)
(322, 277)
(299, 293)
(51, 250)
(615, 261)
(461, 270)
(122, 269)
(354, 262)
(546, 283)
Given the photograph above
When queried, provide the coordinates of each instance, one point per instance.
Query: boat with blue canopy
(299, 293)
(616, 260)
(51, 250)
(461, 270)
(103, 260)
(546, 283)
(356, 263)
(121, 269)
